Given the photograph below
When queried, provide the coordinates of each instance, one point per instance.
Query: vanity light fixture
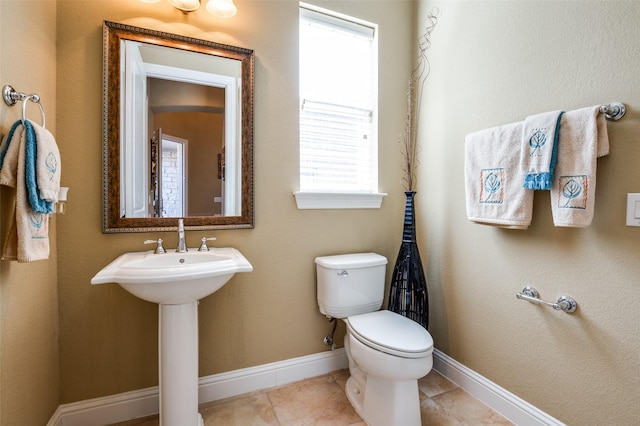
(185, 5)
(221, 8)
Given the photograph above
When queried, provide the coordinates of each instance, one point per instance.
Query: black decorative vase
(408, 293)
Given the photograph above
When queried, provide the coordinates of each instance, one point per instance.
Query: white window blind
(338, 97)
(335, 147)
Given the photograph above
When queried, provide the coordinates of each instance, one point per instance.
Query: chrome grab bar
(564, 303)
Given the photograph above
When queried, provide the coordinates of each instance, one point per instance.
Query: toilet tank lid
(353, 260)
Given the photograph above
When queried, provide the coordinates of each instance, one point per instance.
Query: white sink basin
(174, 278)
(176, 281)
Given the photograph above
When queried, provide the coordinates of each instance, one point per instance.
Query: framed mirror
(177, 132)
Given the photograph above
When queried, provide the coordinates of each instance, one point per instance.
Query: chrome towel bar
(564, 303)
(614, 111)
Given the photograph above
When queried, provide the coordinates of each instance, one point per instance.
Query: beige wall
(108, 338)
(29, 374)
(494, 63)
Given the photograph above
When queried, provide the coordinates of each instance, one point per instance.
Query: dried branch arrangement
(408, 140)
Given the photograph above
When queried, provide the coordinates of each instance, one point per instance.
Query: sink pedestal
(176, 281)
(178, 364)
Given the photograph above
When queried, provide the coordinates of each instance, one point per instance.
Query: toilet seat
(391, 333)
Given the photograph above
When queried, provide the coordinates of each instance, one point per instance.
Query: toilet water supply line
(328, 339)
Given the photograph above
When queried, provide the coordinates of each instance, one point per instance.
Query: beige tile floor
(322, 401)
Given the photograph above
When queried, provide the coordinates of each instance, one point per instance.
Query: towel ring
(35, 99)
(11, 97)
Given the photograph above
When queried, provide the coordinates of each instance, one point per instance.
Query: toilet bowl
(385, 366)
(387, 352)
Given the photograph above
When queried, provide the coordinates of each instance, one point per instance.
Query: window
(338, 106)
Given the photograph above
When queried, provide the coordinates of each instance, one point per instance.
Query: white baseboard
(144, 402)
(500, 400)
(238, 382)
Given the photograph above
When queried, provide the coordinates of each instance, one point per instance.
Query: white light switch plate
(633, 209)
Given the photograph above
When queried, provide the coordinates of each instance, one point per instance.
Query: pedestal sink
(176, 281)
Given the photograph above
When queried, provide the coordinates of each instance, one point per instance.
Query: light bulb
(222, 8)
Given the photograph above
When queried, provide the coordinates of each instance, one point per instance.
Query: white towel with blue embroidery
(28, 236)
(48, 164)
(583, 138)
(539, 148)
(493, 178)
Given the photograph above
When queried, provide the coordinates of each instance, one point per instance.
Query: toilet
(387, 352)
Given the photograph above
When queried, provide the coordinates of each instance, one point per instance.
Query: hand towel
(48, 164)
(38, 204)
(539, 148)
(583, 138)
(493, 178)
(9, 152)
(10, 247)
(28, 237)
(8, 177)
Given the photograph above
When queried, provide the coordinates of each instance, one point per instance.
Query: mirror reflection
(181, 144)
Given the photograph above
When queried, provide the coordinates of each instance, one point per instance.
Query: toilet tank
(350, 284)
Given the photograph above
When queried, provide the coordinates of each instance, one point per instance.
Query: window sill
(338, 200)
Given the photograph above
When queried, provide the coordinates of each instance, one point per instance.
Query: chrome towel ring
(11, 97)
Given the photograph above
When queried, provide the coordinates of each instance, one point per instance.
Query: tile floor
(322, 401)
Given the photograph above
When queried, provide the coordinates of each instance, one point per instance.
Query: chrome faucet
(159, 247)
(182, 245)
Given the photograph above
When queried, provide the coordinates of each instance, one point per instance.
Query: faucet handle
(203, 243)
(159, 248)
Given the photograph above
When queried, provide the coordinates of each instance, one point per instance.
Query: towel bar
(564, 303)
(614, 111)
